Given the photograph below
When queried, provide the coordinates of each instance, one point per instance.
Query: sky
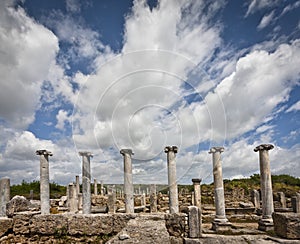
(100, 76)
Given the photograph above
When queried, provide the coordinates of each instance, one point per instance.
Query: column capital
(196, 180)
(171, 148)
(43, 152)
(263, 147)
(88, 154)
(216, 149)
(126, 151)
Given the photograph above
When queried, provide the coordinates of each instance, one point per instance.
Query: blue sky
(106, 75)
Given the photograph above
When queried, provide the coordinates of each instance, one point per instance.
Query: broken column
(281, 199)
(72, 198)
(77, 184)
(4, 195)
(220, 221)
(128, 184)
(86, 182)
(173, 191)
(255, 198)
(194, 221)
(111, 199)
(296, 203)
(197, 192)
(266, 222)
(44, 180)
(95, 187)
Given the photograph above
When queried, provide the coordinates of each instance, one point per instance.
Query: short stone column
(173, 190)
(195, 222)
(197, 192)
(282, 199)
(255, 198)
(143, 199)
(128, 183)
(72, 198)
(111, 200)
(101, 188)
(296, 203)
(86, 182)
(220, 221)
(95, 187)
(4, 195)
(77, 184)
(266, 223)
(153, 199)
(44, 180)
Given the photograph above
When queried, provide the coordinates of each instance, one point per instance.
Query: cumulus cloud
(22, 42)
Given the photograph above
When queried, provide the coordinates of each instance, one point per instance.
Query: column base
(221, 225)
(265, 224)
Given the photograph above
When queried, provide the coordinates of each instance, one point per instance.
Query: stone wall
(72, 228)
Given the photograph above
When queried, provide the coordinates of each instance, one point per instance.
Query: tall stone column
(86, 182)
(173, 191)
(4, 195)
(197, 192)
(266, 223)
(44, 180)
(72, 198)
(128, 184)
(220, 221)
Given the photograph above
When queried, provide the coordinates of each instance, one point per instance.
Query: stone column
(44, 180)
(173, 191)
(281, 198)
(86, 182)
(220, 221)
(101, 188)
(73, 198)
(296, 203)
(4, 195)
(111, 199)
(195, 222)
(128, 184)
(266, 223)
(77, 184)
(255, 198)
(153, 199)
(197, 192)
(95, 187)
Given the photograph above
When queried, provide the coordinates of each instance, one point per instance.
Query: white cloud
(266, 20)
(256, 5)
(290, 7)
(294, 107)
(27, 50)
(62, 117)
(73, 6)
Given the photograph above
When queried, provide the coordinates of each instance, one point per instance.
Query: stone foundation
(287, 225)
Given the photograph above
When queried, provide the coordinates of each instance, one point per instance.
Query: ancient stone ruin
(128, 214)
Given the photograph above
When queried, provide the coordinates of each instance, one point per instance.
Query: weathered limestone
(101, 187)
(296, 203)
(197, 192)
(73, 198)
(143, 199)
(287, 225)
(153, 199)
(195, 222)
(281, 198)
(16, 204)
(86, 182)
(128, 184)
(173, 191)
(44, 180)
(255, 199)
(4, 195)
(266, 223)
(95, 187)
(220, 221)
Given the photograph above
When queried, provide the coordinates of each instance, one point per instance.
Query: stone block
(287, 225)
(21, 223)
(6, 224)
(175, 224)
(17, 204)
(194, 221)
(49, 224)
